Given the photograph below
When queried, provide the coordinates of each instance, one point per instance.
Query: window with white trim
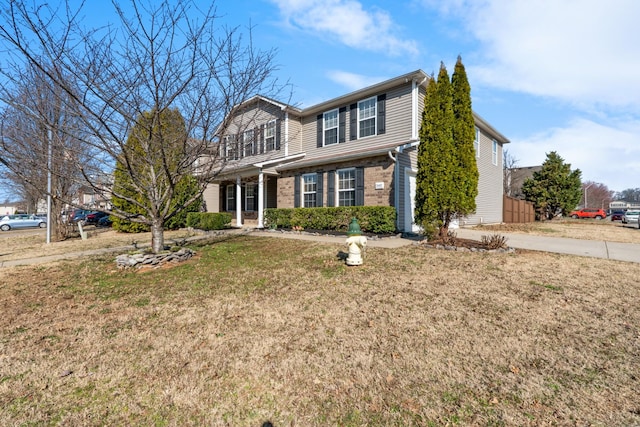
(270, 136)
(309, 190)
(367, 117)
(248, 143)
(346, 187)
(494, 153)
(250, 197)
(231, 147)
(330, 127)
(231, 200)
(476, 142)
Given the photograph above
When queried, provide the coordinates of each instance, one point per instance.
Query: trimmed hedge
(372, 219)
(208, 220)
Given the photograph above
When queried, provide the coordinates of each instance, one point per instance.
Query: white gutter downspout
(238, 202)
(396, 196)
(286, 134)
(414, 106)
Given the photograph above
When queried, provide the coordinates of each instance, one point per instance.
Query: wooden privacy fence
(517, 211)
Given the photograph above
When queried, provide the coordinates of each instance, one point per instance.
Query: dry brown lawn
(32, 244)
(257, 329)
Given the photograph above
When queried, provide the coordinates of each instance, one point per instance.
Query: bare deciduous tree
(170, 55)
(36, 131)
(596, 195)
(508, 163)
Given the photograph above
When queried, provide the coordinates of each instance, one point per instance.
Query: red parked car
(589, 213)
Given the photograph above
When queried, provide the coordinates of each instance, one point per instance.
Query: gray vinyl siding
(397, 127)
(211, 198)
(490, 188)
(295, 136)
(255, 115)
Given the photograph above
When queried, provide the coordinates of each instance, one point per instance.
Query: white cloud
(608, 154)
(353, 81)
(585, 52)
(348, 22)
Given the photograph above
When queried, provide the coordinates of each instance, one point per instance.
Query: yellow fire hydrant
(356, 243)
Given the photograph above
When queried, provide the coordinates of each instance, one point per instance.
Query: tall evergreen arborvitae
(435, 180)
(447, 179)
(463, 137)
(153, 151)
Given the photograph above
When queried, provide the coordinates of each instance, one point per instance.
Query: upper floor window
(367, 117)
(309, 190)
(248, 142)
(494, 153)
(270, 136)
(230, 147)
(330, 127)
(346, 187)
(476, 142)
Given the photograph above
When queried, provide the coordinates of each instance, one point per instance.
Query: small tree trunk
(157, 235)
(444, 228)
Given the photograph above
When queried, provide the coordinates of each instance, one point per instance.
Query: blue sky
(550, 75)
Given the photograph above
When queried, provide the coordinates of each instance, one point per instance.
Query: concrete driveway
(589, 248)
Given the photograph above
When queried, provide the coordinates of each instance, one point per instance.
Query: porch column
(238, 202)
(260, 199)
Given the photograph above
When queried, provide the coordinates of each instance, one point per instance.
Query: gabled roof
(484, 125)
(418, 75)
(257, 98)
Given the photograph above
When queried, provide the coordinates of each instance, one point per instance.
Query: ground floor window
(250, 197)
(231, 201)
(310, 188)
(346, 187)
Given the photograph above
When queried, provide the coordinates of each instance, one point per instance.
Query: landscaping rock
(142, 259)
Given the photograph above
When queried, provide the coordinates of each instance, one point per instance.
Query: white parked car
(9, 222)
(631, 217)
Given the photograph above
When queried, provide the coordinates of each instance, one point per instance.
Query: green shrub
(372, 219)
(208, 220)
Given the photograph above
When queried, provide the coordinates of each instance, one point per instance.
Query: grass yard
(257, 329)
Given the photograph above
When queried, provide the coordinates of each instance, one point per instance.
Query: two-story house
(357, 149)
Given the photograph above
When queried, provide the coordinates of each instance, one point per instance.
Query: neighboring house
(358, 149)
(93, 198)
(515, 177)
(9, 208)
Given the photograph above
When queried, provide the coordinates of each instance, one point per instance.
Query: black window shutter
(256, 141)
(224, 200)
(331, 185)
(359, 186)
(255, 197)
(382, 101)
(319, 140)
(319, 189)
(278, 133)
(261, 140)
(225, 142)
(342, 124)
(353, 122)
(296, 191)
